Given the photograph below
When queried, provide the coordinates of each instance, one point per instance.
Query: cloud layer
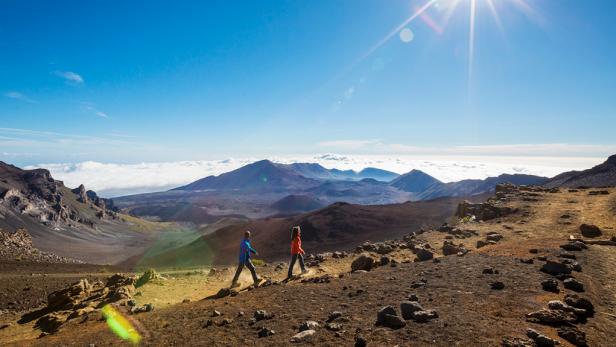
(110, 179)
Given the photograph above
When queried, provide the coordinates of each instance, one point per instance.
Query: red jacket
(296, 246)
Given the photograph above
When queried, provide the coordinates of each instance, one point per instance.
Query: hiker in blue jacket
(244, 260)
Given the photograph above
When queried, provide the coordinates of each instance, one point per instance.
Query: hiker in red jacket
(296, 251)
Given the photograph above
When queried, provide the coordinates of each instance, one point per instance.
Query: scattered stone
(393, 322)
(573, 335)
(208, 323)
(589, 230)
(527, 261)
(551, 317)
(498, 285)
(216, 313)
(147, 276)
(408, 309)
(488, 271)
(574, 246)
(554, 268)
(388, 317)
(424, 254)
(309, 325)
(494, 236)
(384, 261)
(333, 326)
(265, 332)
(303, 336)
(533, 250)
(540, 339)
(598, 192)
(550, 285)
(567, 255)
(481, 243)
(225, 321)
(360, 341)
(333, 316)
(559, 305)
(419, 284)
(387, 310)
(517, 342)
(363, 262)
(578, 302)
(573, 284)
(262, 315)
(424, 316)
(449, 248)
(413, 297)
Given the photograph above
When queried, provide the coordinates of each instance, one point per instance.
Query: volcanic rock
(589, 230)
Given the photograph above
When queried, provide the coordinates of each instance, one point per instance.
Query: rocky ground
(521, 270)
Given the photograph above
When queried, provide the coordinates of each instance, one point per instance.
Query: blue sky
(126, 82)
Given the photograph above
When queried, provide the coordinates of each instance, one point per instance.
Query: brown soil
(470, 313)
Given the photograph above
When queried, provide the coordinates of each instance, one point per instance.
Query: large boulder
(363, 262)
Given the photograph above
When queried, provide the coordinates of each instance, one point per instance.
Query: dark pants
(293, 260)
(250, 267)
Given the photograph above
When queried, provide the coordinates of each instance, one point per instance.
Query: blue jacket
(245, 250)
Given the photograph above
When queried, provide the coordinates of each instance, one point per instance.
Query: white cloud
(69, 76)
(110, 179)
(19, 96)
(95, 111)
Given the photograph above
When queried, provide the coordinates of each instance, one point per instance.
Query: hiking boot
(305, 271)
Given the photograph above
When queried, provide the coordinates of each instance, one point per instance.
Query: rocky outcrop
(483, 211)
(83, 298)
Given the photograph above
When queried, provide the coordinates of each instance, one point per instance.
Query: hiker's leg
(251, 267)
(291, 265)
(240, 266)
(301, 262)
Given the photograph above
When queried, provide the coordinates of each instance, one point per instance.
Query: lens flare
(120, 325)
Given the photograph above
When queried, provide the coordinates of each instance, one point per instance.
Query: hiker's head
(246, 234)
(295, 231)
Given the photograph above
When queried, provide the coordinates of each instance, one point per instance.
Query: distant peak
(611, 159)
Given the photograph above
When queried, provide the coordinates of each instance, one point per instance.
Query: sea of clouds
(111, 179)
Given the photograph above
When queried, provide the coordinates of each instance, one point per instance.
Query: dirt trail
(470, 312)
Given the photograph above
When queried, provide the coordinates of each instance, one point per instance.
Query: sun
(447, 9)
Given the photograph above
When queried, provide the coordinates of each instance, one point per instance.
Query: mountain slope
(602, 175)
(259, 176)
(72, 223)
